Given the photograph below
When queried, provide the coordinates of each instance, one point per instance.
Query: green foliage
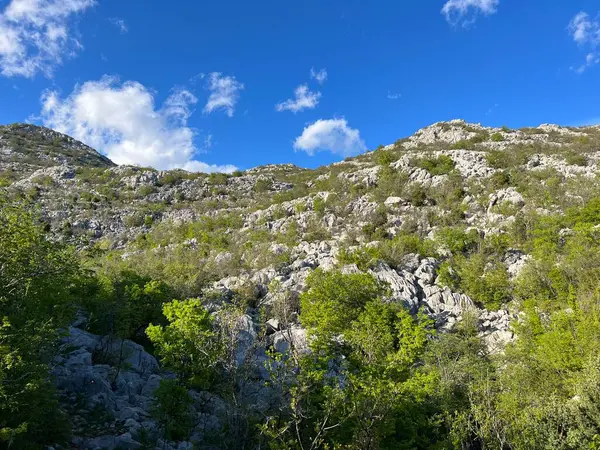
(333, 300)
(262, 185)
(172, 410)
(390, 183)
(502, 159)
(319, 206)
(576, 159)
(189, 344)
(457, 240)
(216, 179)
(124, 304)
(497, 137)
(416, 194)
(38, 286)
(440, 165)
(384, 157)
(384, 400)
(375, 230)
(469, 144)
(365, 258)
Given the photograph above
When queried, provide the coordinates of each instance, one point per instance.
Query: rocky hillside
(27, 148)
(443, 219)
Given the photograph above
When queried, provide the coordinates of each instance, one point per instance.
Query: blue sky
(169, 83)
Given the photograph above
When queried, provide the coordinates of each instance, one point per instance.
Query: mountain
(25, 148)
(460, 222)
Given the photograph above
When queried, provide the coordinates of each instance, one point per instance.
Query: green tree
(361, 387)
(189, 344)
(38, 286)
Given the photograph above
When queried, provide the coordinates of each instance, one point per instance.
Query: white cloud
(224, 93)
(34, 35)
(465, 11)
(586, 32)
(332, 135)
(320, 76)
(591, 59)
(393, 96)
(304, 99)
(121, 120)
(120, 24)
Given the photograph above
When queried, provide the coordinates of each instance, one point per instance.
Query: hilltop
(26, 148)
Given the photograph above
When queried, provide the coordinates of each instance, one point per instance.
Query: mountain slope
(489, 233)
(25, 148)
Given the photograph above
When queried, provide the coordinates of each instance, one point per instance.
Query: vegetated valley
(441, 292)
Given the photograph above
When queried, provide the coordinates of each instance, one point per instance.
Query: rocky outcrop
(107, 387)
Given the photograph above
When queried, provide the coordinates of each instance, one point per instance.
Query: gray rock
(403, 285)
(132, 354)
(123, 442)
(272, 326)
(294, 337)
(151, 385)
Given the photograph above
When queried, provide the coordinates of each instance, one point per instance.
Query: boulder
(294, 337)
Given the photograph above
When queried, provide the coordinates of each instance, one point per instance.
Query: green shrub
(145, 191)
(333, 300)
(319, 206)
(499, 179)
(217, 179)
(507, 159)
(463, 144)
(576, 159)
(365, 258)
(416, 194)
(136, 219)
(497, 137)
(263, 185)
(480, 137)
(485, 284)
(384, 157)
(390, 183)
(172, 409)
(189, 344)
(457, 240)
(441, 165)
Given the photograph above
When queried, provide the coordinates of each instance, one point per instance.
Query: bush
(217, 179)
(365, 258)
(172, 409)
(416, 194)
(333, 300)
(457, 240)
(125, 304)
(441, 165)
(189, 344)
(576, 159)
(319, 206)
(487, 284)
(463, 144)
(262, 185)
(497, 137)
(384, 157)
